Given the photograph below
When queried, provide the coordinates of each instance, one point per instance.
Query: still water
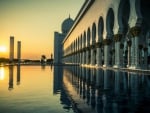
(38, 89)
(107, 91)
(32, 89)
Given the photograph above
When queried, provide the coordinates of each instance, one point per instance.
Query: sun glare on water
(1, 73)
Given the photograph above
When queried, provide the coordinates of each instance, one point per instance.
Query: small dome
(66, 25)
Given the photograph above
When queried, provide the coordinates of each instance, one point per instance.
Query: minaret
(11, 51)
(19, 51)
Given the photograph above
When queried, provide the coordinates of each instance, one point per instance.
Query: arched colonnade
(125, 47)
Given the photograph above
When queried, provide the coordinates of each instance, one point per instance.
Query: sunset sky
(33, 22)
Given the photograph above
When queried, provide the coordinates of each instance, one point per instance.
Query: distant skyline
(33, 22)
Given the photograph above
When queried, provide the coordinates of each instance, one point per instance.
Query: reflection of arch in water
(64, 99)
(99, 78)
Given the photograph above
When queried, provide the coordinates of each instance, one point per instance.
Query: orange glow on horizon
(3, 51)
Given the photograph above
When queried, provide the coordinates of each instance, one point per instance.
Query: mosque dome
(66, 25)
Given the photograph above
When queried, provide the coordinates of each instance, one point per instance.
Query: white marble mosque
(106, 33)
(58, 39)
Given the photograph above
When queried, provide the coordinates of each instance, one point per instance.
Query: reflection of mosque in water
(59, 89)
(11, 76)
(105, 91)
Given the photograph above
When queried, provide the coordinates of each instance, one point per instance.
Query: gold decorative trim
(145, 48)
(140, 46)
(99, 44)
(117, 37)
(135, 31)
(107, 41)
(129, 43)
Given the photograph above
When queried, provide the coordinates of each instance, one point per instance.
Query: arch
(145, 9)
(110, 22)
(100, 29)
(84, 39)
(71, 48)
(88, 36)
(81, 42)
(93, 33)
(74, 46)
(78, 44)
(123, 16)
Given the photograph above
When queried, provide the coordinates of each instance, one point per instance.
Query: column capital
(87, 48)
(84, 49)
(140, 46)
(117, 37)
(92, 46)
(135, 31)
(145, 48)
(112, 51)
(99, 44)
(107, 41)
(129, 43)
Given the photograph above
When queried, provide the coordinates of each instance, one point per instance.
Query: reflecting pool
(70, 89)
(32, 89)
(107, 91)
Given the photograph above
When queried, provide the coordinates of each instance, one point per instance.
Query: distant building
(19, 51)
(59, 37)
(11, 51)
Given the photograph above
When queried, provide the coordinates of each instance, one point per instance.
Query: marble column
(113, 56)
(78, 57)
(92, 55)
(132, 52)
(137, 52)
(87, 56)
(121, 55)
(106, 55)
(74, 58)
(82, 57)
(135, 32)
(145, 58)
(106, 52)
(129, 53)
(117, 39)
(118, 54)
(99, 54)
(81, 54)
(140, 56)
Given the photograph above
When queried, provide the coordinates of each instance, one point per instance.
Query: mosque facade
(58, 39)
(110, 33)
